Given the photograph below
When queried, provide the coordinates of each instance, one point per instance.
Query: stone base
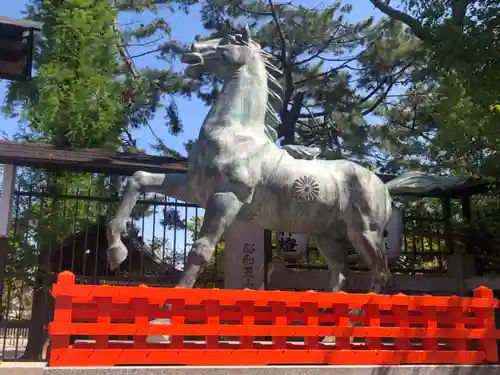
(22, 368)
(40, 369)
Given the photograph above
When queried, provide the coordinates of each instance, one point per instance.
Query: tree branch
(130, 139)
(255, 13)
(146, 53)
(324, 74)
(129, 63)
(240, 8)
(302, 123)
(320, 50)
(313, 115)
(374, 91)
(290, 119)
(132, 70)
(458, 12)
(392, 81)
(420, 134)
(280, 34)
(145, 44)
(287, 68)
(415, 25)
(381, 98)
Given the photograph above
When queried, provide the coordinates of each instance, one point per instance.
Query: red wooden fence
(245, 327)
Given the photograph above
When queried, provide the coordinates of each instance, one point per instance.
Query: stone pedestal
(461, 267)
(244, 257)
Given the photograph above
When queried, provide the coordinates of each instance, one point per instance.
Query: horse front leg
(173, 185)
(220, 212)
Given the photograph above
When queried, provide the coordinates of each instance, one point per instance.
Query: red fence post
(178, 317)
(429, 313)
(104, 305)
(247, 310)
(279, 319)
(458, 315)
(311, 320)
(141, 309)
(487, 316)
(401, 315)
(62, 314)
(372, 312)
(212, 311)
(341, 312)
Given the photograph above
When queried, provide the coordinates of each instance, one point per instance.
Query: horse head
(222, 56)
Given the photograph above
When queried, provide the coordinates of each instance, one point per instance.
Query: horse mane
(275, 92)
(275, 95)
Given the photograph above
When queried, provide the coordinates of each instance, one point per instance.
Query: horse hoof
(328, 340)
(159, 339)
(116, 254)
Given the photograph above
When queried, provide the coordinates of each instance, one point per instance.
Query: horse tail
(393, 234)
(413, 181)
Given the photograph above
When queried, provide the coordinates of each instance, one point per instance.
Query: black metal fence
(426, 241)
(13, 338)
(59, 223)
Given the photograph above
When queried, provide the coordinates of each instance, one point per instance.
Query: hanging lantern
(292, 245)
(16, 48)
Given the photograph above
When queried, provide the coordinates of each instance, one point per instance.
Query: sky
(192, 111)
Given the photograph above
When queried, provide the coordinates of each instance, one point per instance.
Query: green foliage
(74, 101)
(458, 77)
(78, 101)
(482, 235)
(42, 223)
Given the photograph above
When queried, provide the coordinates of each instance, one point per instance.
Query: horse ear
(246, 34)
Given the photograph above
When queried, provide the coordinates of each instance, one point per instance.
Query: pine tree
(331, 77)
(147, 90)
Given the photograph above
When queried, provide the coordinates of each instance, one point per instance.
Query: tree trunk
(289, 120)
(42, 311)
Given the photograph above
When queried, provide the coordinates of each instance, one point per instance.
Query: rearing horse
(235, 171)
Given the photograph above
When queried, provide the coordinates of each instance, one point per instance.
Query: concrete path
(40, 369)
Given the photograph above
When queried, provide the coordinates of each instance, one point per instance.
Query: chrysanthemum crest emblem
(306, 188)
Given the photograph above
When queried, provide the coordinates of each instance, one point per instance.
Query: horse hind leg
(369, 244)
(335, 253)
(140, 182)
